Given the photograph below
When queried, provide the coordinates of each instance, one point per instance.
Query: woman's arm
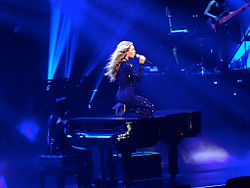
(138, 75)
(206, 12)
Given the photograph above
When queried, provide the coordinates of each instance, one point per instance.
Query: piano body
(130, 133)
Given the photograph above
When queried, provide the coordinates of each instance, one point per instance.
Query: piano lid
(164, 113)
(130, 117)
(107, 118)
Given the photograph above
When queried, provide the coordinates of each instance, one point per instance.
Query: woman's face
(131, 52)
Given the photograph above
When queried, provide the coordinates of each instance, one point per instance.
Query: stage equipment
(173, 37)
(241, 64)
(60, 166)
(169, 126)
(239, 182)
(144, 165)
(225, 16)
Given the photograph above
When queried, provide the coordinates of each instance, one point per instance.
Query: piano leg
(61, 181)
(126, 161)
(173, 159)
(107, 163)
(102, 163)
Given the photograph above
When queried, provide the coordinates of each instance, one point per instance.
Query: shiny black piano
(130, 133)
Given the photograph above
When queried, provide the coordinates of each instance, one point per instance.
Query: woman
(58, 127)
(121, 69)
(215, 8)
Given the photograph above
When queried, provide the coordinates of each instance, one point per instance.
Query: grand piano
(130, 133)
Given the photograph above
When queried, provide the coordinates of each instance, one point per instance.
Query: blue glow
(243, 52)
(96, 87)
(143, 153)
(69, 63)
(248, 57)
(60, 47)
(210, 154)
(179, 31)
(48, 87)
(79, 148)
(29, 128)
(54, 27)
(215, 83)
(3, 182)
(86, 135)
(241, 57)
(154, 69)
(98, 136)
(122, 29)
(211, 186)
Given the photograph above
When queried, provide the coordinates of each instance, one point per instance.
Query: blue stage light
(54, 27)
(64, 25)
(95, 90)
(48, 86)
(70, 60)
(122, 28)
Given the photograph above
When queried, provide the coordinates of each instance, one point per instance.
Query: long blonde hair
(116, 59)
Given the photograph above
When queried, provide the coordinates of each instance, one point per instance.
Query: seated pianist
(58, 127)
(73, 159)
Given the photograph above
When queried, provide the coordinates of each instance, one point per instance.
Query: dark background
(24, 101)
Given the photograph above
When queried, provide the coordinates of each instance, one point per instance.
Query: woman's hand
(120, 109)
(142, 59)
(216, 18)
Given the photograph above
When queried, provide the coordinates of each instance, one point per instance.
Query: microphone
(138, 56)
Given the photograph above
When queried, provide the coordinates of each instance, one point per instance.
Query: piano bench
(142, 165)
(62, 166)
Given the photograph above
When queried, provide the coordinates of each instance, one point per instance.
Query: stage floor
(195, 180)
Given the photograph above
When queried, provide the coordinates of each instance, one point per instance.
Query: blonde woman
(121, 69)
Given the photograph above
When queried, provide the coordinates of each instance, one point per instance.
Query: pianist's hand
(120, 109)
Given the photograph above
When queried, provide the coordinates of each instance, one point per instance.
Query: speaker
(143, 165)
(238, 182)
